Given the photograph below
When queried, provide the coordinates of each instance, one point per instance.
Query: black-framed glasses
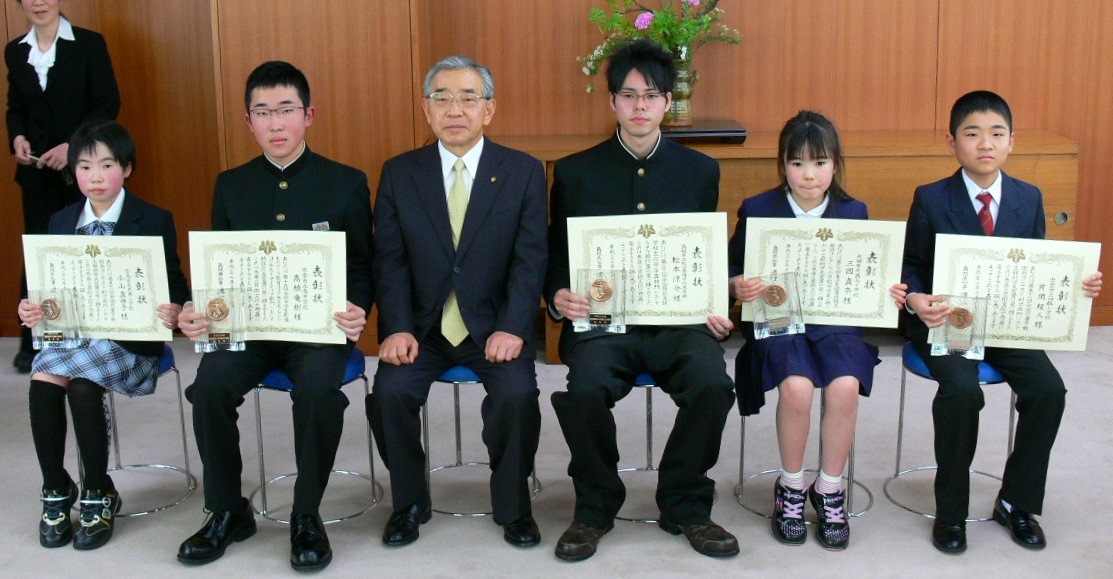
(466, 100)
(281, 113)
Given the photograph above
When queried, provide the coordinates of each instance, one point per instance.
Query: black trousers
(1040, 400)
(223, 378)
(511, 421)
(689, 366)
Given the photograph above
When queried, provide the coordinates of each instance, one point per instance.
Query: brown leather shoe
(706, 538)
(579, 542)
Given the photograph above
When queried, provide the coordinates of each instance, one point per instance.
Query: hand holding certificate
(1036, 298)
(844, 267)
(99, 286)
(674, 265)
(277, 285)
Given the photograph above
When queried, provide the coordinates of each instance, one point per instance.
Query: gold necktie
(452, 322)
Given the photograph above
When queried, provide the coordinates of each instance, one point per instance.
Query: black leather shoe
(23, 361)
(949, 537)
(403, 526)
(1023, 527)
(579, 542)
(706, 538)
(309, 547)
(222, 529)
(522, 533)
(56, 526)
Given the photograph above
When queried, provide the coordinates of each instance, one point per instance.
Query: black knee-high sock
(48, 430)
(91, 427)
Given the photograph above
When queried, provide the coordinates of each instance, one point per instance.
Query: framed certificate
(844, 267)
(1034, 287)
(116, 282)
(288, 283)
(675, 264)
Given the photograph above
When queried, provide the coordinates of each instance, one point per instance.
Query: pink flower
(643, 20)
(692, 2)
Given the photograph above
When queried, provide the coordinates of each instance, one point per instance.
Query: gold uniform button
(280, 217)
(641, 172)
(641, 206)
(282, 185)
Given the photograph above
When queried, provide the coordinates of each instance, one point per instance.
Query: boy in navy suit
(980, 199)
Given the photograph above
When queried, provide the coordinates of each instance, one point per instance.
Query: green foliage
(677, 25)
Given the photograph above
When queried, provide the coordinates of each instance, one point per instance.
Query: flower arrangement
(679, 26)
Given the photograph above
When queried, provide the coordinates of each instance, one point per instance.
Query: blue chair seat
(456, 376)
(166, 364)
(279, 381)
(357, 365)
(914, 363)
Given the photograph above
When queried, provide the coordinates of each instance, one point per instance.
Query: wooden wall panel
(866, 68)
(356, 55)
(531, 48)
(163, 57)
(1047, 61)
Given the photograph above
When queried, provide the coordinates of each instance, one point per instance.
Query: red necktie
(984, 215)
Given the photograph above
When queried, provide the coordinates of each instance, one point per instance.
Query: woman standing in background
(59, 77)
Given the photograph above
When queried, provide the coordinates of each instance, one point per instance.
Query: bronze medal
(600, 290)
(774, 294)
(961, 318)
(217, 309)
(50, 309)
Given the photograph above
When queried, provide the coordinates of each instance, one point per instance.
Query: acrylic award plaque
(604, 290)
(59, 326)
(777, 310)
(225, 315)
(963, 331)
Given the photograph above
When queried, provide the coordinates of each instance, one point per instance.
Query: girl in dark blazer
(103, 155)
(831, 357)
(59, 77)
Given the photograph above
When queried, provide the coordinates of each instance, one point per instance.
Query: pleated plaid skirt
(104, 362)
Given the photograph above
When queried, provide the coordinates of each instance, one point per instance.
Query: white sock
(826, 484)
(792, 480)
(1008, 507)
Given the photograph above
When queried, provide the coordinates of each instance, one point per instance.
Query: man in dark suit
(637, 171)
(59, 77)
(980, 199)
(459, 265)
(288, 187)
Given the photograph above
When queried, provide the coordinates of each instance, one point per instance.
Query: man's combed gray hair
(460, 62)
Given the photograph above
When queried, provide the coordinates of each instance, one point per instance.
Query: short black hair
(276, 73)
(811, 135)
(648, 58)
(111, 134)
(979, 101)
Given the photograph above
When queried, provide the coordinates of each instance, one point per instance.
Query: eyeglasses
(466, 100)
(281, 113)
(629, 97)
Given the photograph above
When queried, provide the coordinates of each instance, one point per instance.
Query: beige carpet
(886, 542)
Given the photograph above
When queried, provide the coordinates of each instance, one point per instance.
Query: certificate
(844, 267)
(118, 281)
(1034, 287)
(290, 283)
(675, 264)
